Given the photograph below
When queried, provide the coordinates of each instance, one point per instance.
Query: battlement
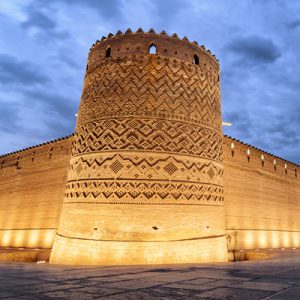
(140, 43)
(245, 154)
(30, 155)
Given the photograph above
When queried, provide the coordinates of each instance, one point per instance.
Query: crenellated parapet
(28, 156)
(138, 44)
(151, 33)
(241, 153)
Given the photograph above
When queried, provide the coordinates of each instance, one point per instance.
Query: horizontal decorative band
(153, 166)
(153, 135)
(137, 191)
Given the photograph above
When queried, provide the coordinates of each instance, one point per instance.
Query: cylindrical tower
(145, 183)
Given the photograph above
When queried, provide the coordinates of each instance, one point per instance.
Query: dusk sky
(44, 46)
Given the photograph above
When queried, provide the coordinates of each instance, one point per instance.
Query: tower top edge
(152, 33)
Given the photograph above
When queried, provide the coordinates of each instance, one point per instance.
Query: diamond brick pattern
(164, 136)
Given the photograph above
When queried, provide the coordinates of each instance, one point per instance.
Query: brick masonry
(145, 178)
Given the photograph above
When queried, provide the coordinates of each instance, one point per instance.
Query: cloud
(38, 22)
(9, 118)
(63, 57)
(166, 11)
(52, 103)
(40, 115)
(19, 72)
(294, 24)
(254, 48)
(108, 9)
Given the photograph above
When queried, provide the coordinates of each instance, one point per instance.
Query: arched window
(152, 49)
(196, 59)
(107, 53)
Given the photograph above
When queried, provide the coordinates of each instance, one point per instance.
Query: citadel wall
(262, 198)
(262, 204)
(32, 184)
(141, 180)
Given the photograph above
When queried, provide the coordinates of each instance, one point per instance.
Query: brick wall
(262, 199)
(261, 203)
(31, 193)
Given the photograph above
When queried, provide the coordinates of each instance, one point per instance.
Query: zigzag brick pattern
(166, 193)
(151, 86)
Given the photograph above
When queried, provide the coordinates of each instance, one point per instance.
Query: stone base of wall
(25, 255)
(89, 252)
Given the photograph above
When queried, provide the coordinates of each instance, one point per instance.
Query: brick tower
(145, 182)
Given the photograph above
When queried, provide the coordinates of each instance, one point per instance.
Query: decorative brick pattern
(143, 166)
(137, 191)
(151, 86)
(149, 135)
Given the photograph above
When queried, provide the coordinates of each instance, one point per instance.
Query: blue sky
(44, 46)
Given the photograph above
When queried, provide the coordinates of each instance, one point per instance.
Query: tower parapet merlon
(151, 34)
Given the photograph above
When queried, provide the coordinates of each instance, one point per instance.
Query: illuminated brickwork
(145, 183)
(262, 202)
(145, 178)
(31, 194)
(262, 198)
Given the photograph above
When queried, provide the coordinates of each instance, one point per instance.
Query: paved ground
(275, 278)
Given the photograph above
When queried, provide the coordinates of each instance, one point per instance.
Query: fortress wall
(31, 193)
(262, 203)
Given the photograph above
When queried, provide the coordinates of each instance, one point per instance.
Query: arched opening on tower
(108, 52)
(196, 59)
(152, 49)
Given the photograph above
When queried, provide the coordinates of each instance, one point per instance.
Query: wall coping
(260, 150)
(36, 146)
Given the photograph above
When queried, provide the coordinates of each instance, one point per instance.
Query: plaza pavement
(274, 278)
